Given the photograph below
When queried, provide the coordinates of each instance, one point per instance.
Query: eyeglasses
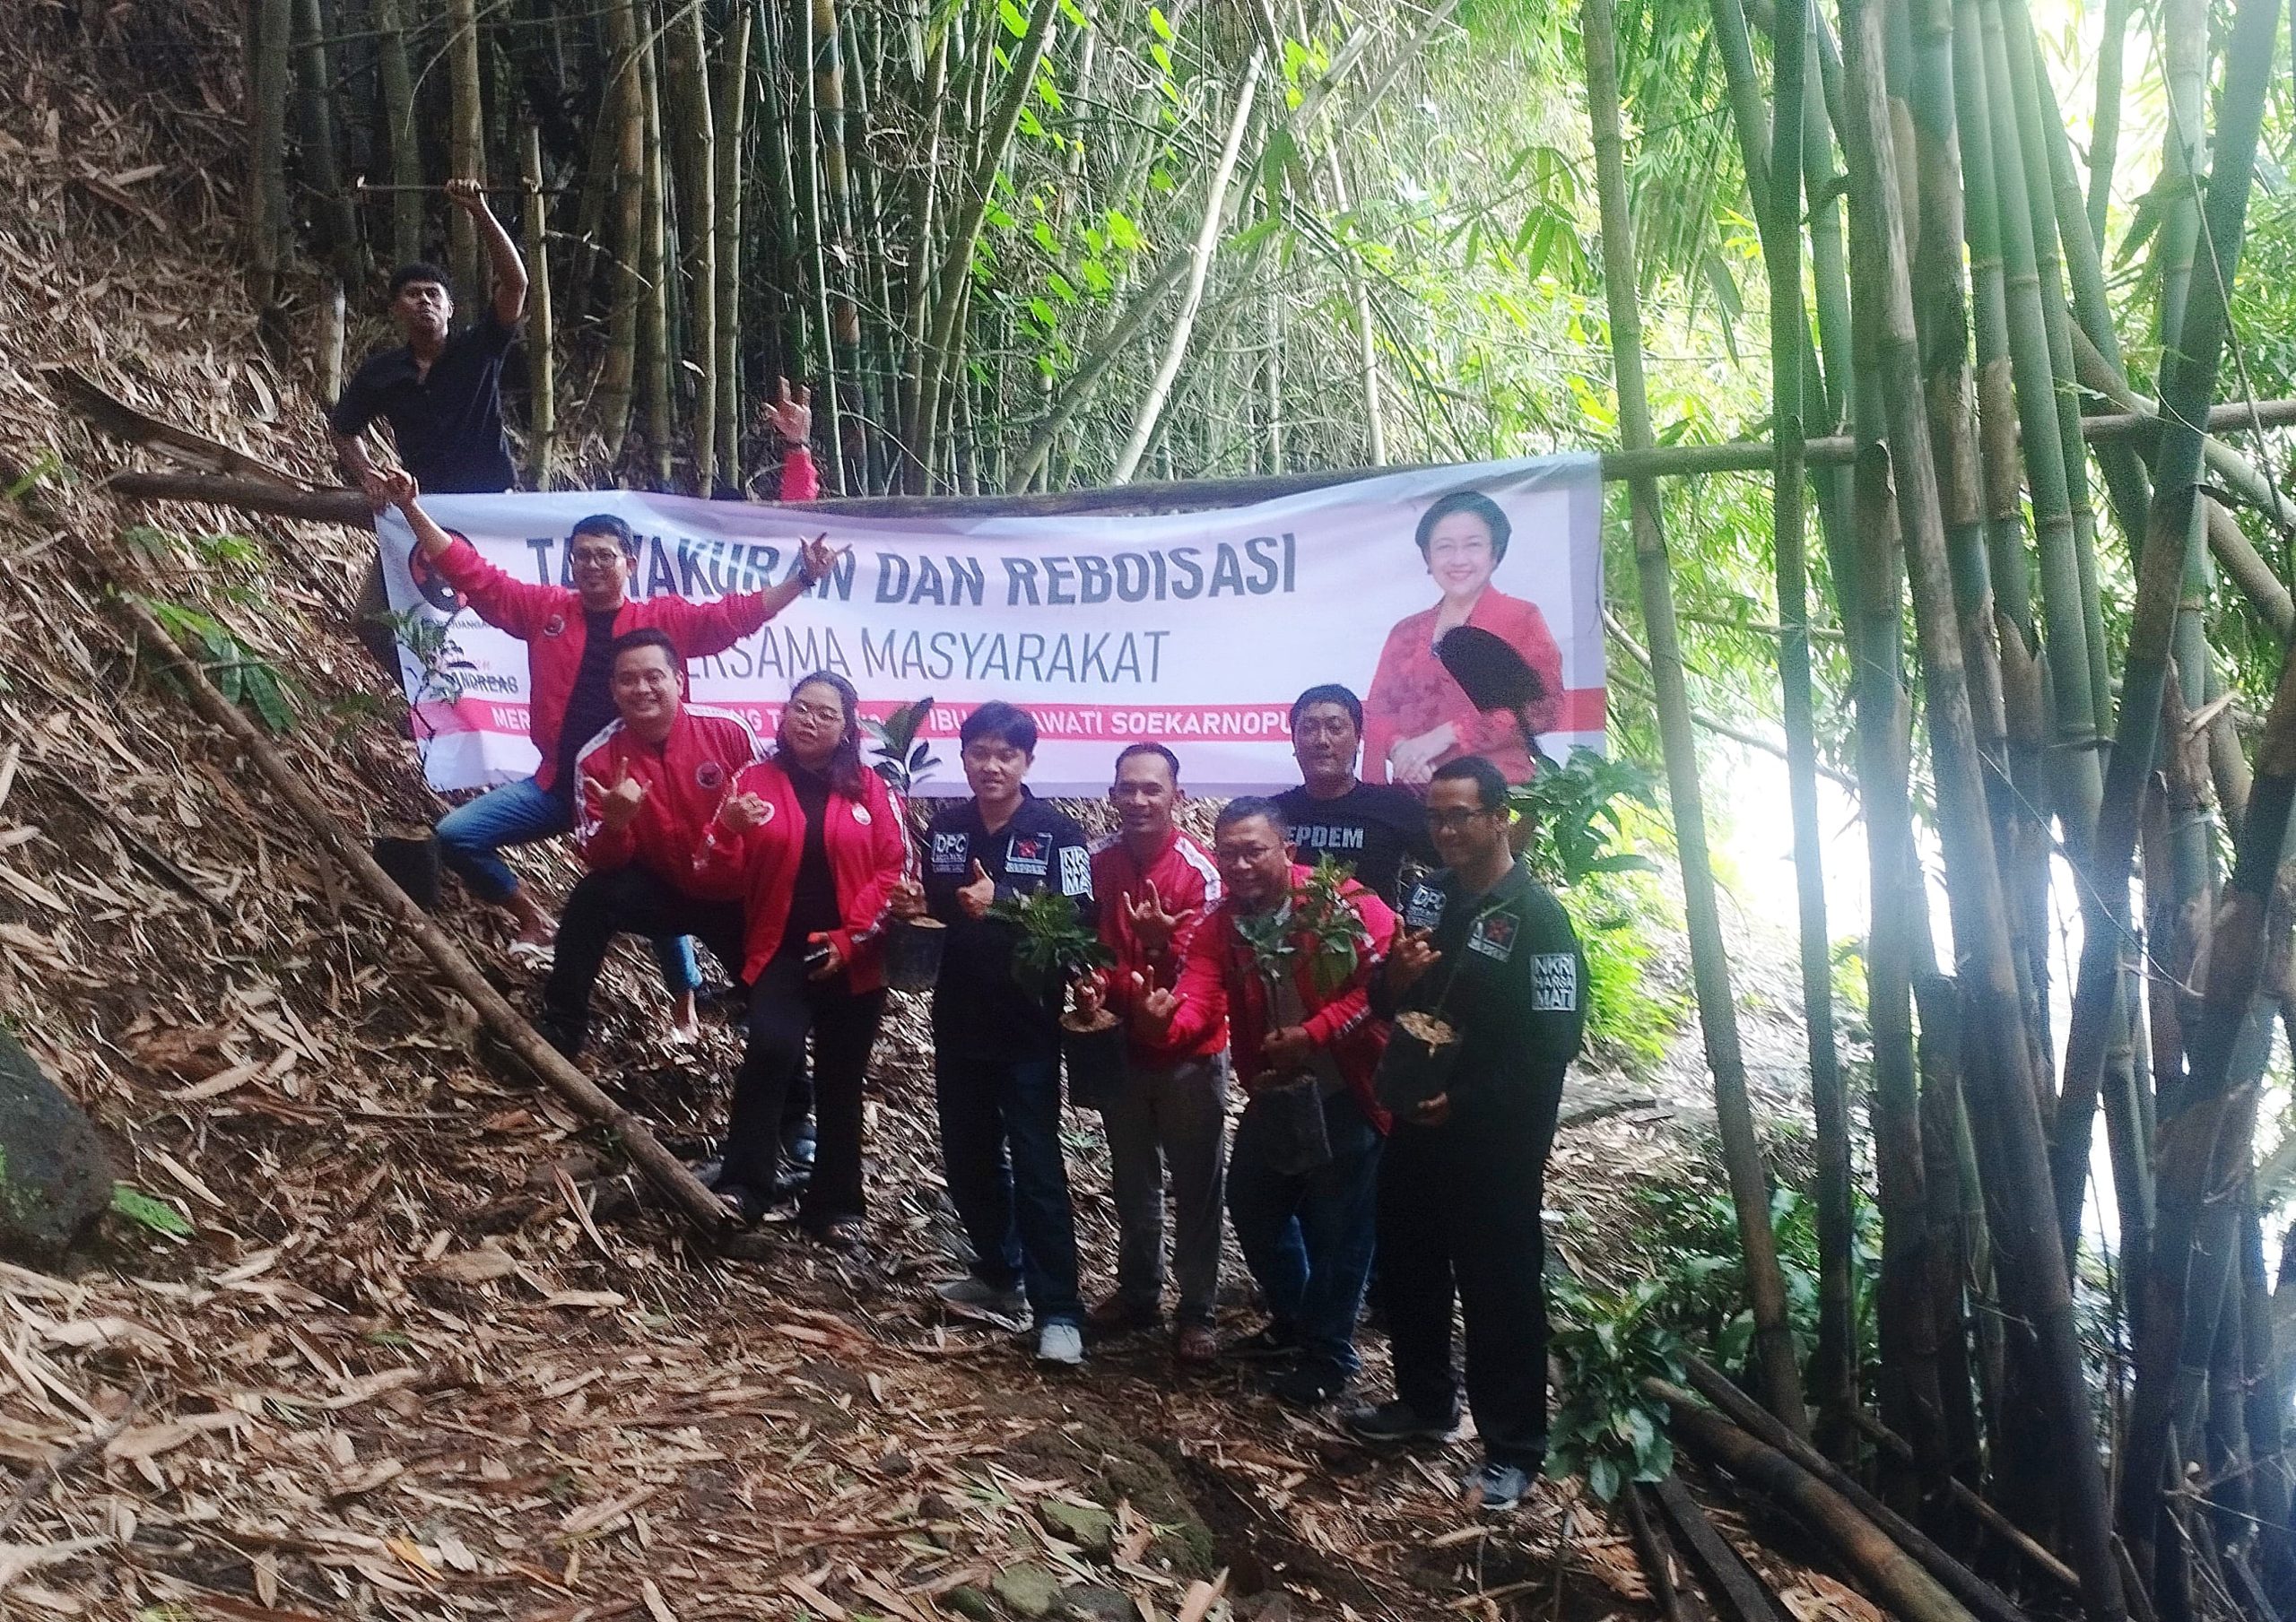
(603, 557)
(1453, 821)
(815, 712)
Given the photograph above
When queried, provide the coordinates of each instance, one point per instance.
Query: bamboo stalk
(1709, 962)
(1980, 935)
(687, 51)
(1896, 1577)
(1208, 232)
(397, 86)
(732, 115)
(2191, 1141)
(269, 38)
(654, 269)
(618, 374)
(465, 143)
(542, 361)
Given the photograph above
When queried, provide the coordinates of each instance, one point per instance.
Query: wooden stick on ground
(1895, 1577)
(664, 1169)
(1965, 1585)
(1676, 1602)
(1728, 1576)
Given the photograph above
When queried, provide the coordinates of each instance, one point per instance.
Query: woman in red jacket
(810, 841)
(1416, 716)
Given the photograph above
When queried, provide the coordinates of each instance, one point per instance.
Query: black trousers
(1459, 1219)
(785, 1008)
(624, 901)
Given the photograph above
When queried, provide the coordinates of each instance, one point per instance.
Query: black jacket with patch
(1511, 980)
(977, 1002)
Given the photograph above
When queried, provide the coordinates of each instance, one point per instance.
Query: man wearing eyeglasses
(569, 637)
(1488, 951)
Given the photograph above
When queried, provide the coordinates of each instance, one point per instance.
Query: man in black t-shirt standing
(996, 1039)
(440, 391)
(1372, 827)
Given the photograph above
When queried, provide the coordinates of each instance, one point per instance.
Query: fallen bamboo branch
(664, 1169)
(1965, 1585)
(1658, 1556)
(1969, 1498)
(1730, 1578)
(1896, 1578)
(348, 507)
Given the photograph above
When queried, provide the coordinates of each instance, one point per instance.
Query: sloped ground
(429, 1352)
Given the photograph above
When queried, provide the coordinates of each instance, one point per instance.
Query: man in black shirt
(1372, 827)
(995, 1041)
(440, 391)
(1489, 953)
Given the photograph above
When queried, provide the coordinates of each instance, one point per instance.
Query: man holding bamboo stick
(1486, 987)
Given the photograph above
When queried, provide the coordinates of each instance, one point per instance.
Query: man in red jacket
(1302, 1178)
(568, 634)
(1156, 886)
(651, 783)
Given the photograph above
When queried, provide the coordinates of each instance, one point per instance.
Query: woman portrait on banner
(1416, 717)
(810, 842)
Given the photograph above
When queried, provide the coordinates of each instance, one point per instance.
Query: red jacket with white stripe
(868, 850)
(685, 779)
(549, 620)
(1188, 884)
(1219, 979)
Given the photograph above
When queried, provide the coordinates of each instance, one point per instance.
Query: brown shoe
(1195, 1345)
(1116, 1315)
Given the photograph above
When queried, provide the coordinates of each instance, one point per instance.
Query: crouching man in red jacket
(1303, 1174)
(649, 782)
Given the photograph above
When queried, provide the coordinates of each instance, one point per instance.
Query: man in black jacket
(996, 1040)
(1491, 953)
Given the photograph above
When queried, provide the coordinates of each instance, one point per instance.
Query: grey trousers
(1171, 1120)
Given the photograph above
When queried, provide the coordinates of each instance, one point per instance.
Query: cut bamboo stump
(664, 1170)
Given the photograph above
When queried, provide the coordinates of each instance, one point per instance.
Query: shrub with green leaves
(1606, 1428)
(242, 675)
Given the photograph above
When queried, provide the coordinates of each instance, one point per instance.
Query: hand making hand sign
(1413, 954)
(618, 807)
(816, 558)
(742, 813)
(975, 897)
(1153, 923)
(1153, 1007)
(792, 419)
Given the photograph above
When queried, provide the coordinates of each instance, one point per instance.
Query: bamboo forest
(1858, 1177)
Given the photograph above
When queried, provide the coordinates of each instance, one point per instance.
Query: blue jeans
(1307, 1238)
(1000, 1149)
(472, 835)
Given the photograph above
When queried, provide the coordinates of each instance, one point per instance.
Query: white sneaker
(977, 1294)
(1061, 1345)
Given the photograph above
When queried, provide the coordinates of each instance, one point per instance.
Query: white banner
(1192, 630)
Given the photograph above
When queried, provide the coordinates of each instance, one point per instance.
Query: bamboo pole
(466, 143)
(542, 362)
(1780, 1380)
(1208, 232)
(1980, 935)
(397, 84)
(664, 1169)
(695, 121)
(269, 38)
(1907, 1591)
(2190, 1259)
(626, 108)
(1834, 1373)
(654, 269)
(732, 115)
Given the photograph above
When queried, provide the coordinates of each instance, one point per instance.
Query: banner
(1195, 630)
